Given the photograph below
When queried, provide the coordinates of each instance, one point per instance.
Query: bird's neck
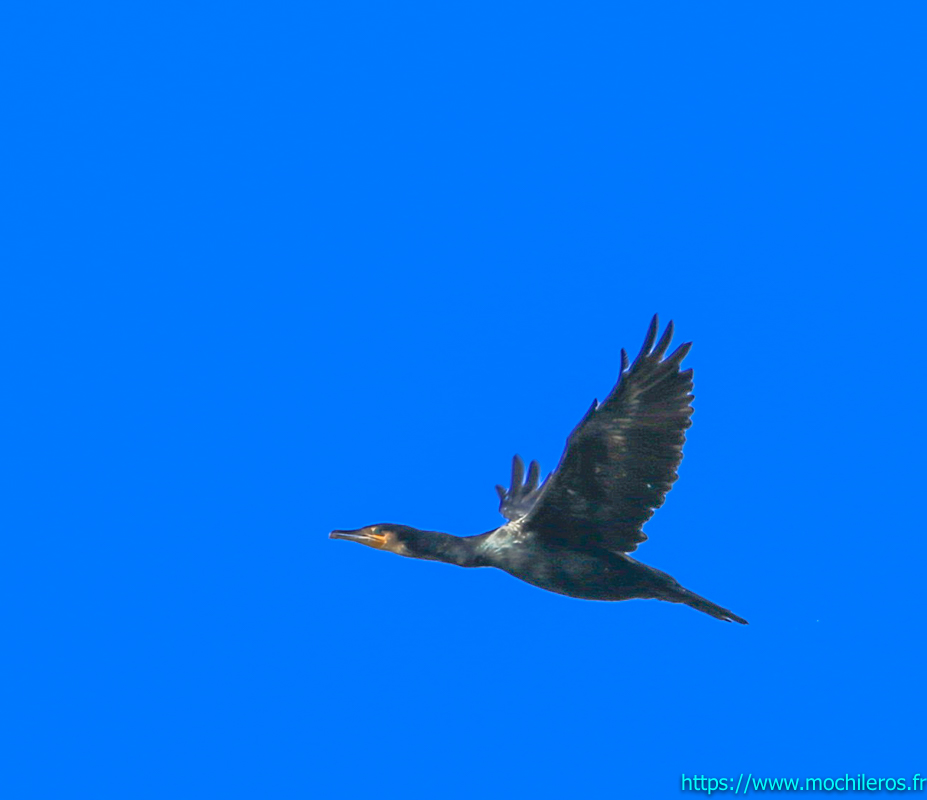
(459, 550)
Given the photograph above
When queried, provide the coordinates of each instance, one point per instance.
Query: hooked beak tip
(369, 536)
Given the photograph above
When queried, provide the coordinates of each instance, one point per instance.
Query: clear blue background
(272, 269)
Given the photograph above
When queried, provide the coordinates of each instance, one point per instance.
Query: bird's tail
(699, 603)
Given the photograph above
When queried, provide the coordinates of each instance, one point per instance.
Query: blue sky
(282, 268)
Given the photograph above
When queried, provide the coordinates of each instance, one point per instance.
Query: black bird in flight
(572, 534)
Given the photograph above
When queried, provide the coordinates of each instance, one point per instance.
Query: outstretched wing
(621, 460)
(519, 499)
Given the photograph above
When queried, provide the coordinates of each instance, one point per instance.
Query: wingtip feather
(664, 342)
(679, 353)
(649, 339)
(534, 472)
(518, 472)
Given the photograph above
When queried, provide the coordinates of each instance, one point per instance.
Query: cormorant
(572, 534)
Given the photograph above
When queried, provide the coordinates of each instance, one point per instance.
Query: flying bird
(572, 533)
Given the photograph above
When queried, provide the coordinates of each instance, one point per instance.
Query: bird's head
(399, 539)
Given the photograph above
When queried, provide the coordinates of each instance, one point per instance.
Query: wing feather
(519, 499)
(621, 459)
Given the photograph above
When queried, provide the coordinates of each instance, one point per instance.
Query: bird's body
(594, 574)
(572, 534)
